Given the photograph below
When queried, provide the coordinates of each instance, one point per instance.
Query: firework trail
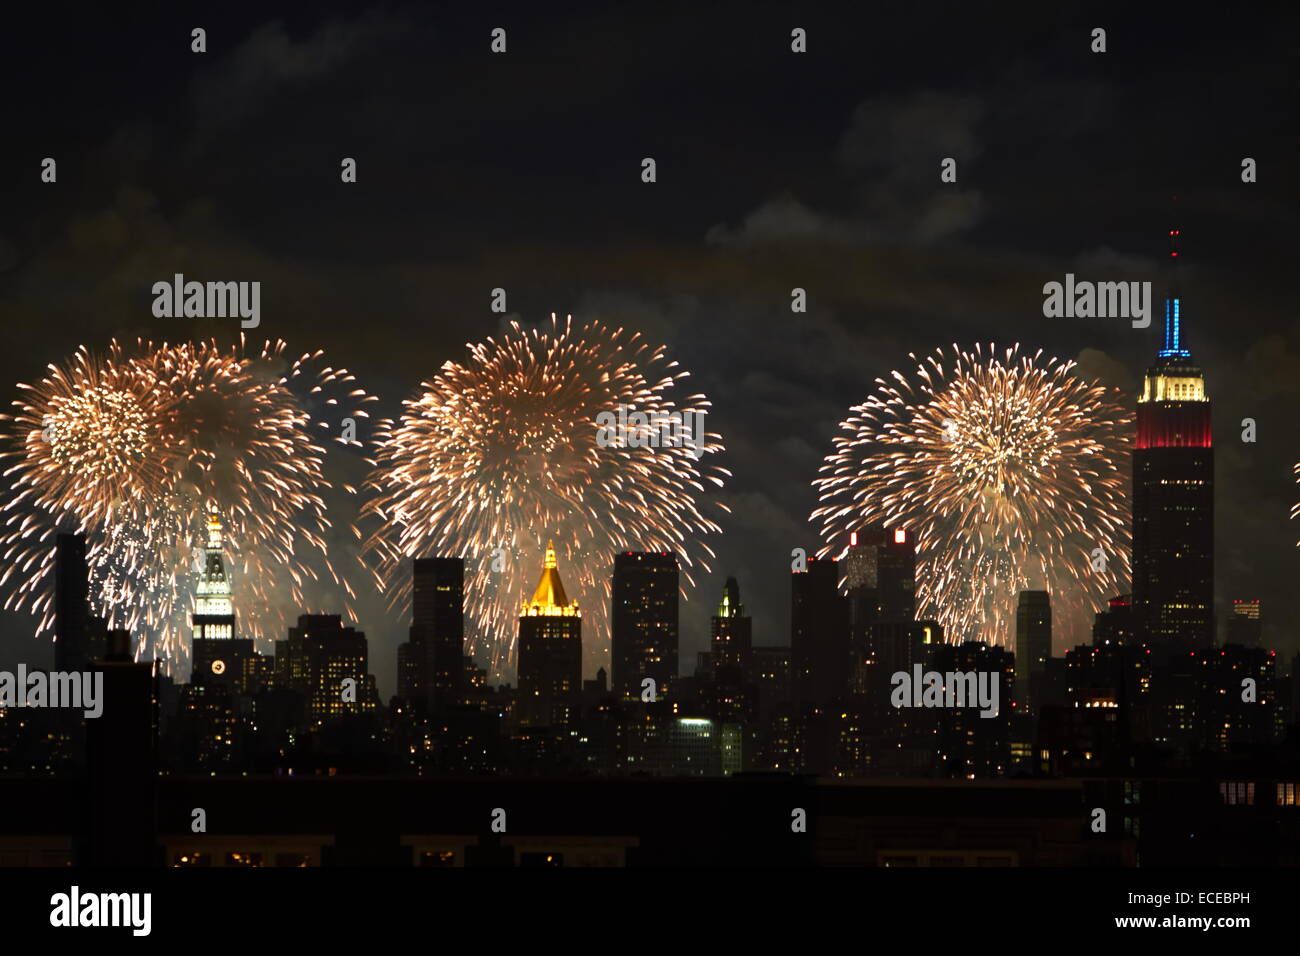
(1009, 470)
(1295, 509)
(135, 448)
(500, 453)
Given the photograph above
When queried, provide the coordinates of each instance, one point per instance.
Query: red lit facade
(1173, 425)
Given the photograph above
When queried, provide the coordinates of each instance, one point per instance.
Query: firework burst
(493, 457)
(1009, 471)
(134, 448)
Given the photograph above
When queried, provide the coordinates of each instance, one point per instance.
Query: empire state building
(1173, 494)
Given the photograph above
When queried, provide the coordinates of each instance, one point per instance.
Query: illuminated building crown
(214, 610)
(1174, 410)
(549, 598)
(731, 606)
(1173, 378)
(214, 585)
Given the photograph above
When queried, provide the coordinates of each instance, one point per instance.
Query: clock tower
(218, 657)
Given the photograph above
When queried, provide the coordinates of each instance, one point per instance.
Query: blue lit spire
(1172, 346)
(1173, 332)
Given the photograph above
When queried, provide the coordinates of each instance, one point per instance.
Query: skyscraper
(862, 577)
(550, 653)
(896, 579)
(1173, 495)
(315, 659)
(880, 573)
(1033, 645)
(431, 666)
(772, 678)
(1114, 626)
(73, 626)
(966, 741)
(643, 622)
(731, 694)
(217, 655)
(214, 612)
(1244, 626)
(819, 633)
(731, 634)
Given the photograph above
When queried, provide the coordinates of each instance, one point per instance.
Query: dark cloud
(261, 69)
(1095, 364)
(892, 150)
(786, 218)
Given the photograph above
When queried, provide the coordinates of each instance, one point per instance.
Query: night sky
(775, 170)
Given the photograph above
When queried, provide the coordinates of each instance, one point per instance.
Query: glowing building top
(549, 599)
(1173, 378)
(1172, 607)
(731, 606)
(214, 610)
(1174, 383)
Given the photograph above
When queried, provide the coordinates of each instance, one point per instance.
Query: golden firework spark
(492, 456)
(135, 448)
(1010, 472)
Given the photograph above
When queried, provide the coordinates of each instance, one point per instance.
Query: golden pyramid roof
(549, 596)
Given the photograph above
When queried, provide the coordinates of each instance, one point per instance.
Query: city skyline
(748, 437)
(1172, 366)
(891, 262)
(1134, 692)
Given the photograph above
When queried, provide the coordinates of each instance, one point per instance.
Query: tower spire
(1172, 343)
(214, 610)
(1173, 492)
